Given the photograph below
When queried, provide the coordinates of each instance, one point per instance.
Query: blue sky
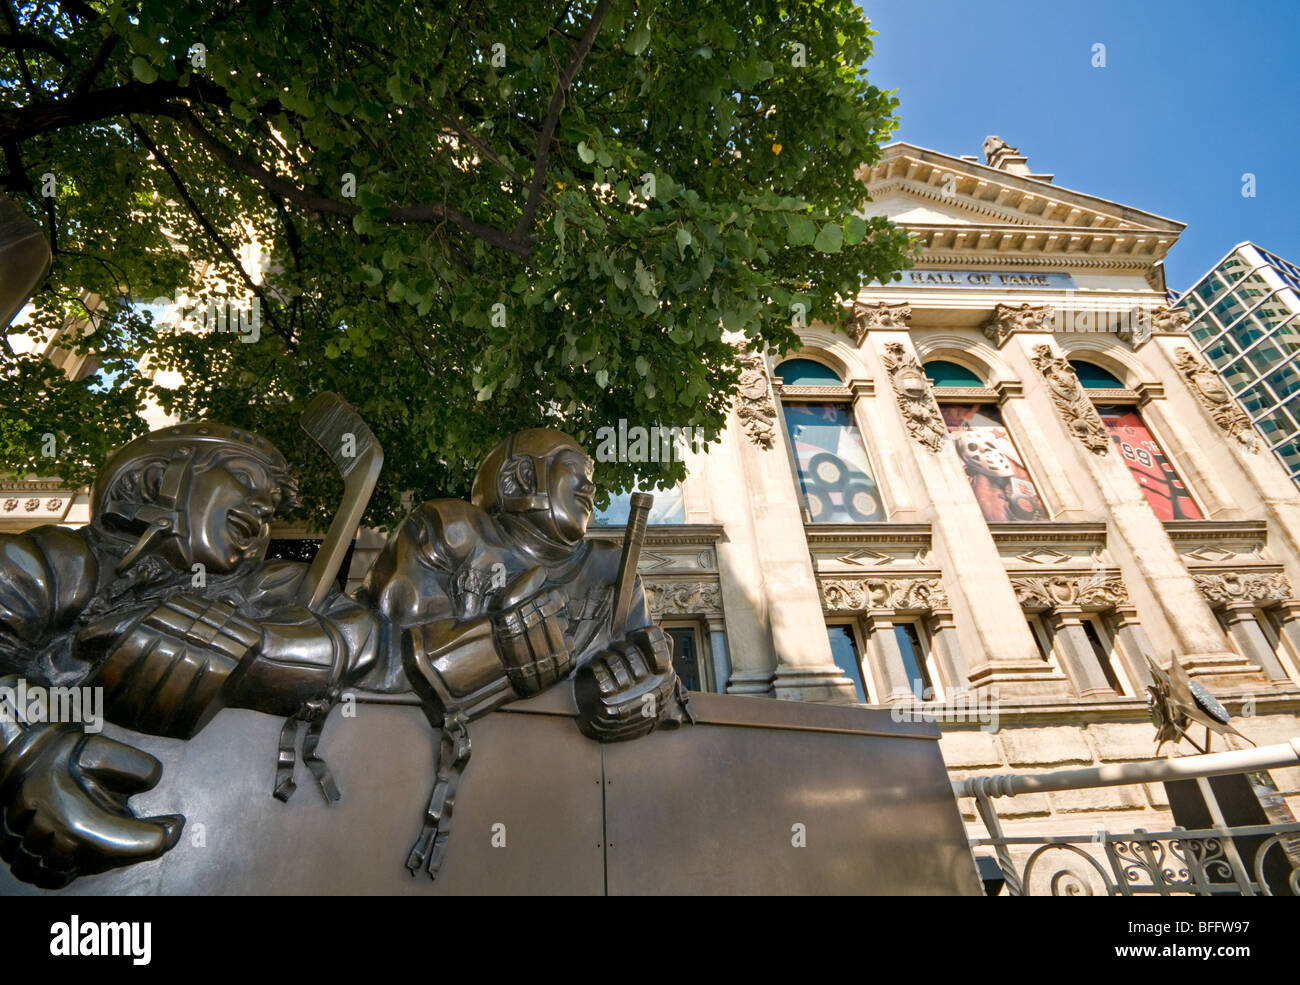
(1193, 95)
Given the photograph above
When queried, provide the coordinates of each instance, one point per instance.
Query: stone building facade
(1004, 487)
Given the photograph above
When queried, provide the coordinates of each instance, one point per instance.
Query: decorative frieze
(696, 598)
(1072, 403)
(881, 316)
(1214, 396)
(1010, 318)
(1265, 588)
(754, 404)
(864, 594)
(1098, 591)
(921, 413)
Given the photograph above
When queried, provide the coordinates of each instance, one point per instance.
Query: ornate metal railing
(1201, 862)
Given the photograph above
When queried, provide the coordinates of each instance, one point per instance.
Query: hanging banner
(1145, 459)
(998, 477)
(833, 468)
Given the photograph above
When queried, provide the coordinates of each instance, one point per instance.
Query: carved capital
(1009, 318)
(880, 316)
(862, 594)
(1072, 403)
(1215, 397)
(1102, 591)
(754, 404)
(916, 400)
(1259, 589)
(696, 598)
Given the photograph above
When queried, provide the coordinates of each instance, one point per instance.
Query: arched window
(807, 372)
(943, 373)
(1093, 377)
(834, 472)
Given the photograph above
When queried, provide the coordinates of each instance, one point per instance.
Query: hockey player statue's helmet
(153, 487)
(542, 472)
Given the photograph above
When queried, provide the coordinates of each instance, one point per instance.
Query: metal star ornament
(1176, 701)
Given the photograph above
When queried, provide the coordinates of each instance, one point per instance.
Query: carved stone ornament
(1008, 318)
(1089, 591)
(1258, 588)
(683, 599)
(1076, 410)
(1169, 320)
(880, 317)
(1215, 397)
(915, 399)
(862, 594)
(754, 404)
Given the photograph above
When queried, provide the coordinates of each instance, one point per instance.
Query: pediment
(912, 185)
(960, 208)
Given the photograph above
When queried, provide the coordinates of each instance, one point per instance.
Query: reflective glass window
(844, 650)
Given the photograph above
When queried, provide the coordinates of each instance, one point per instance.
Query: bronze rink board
(706, 809)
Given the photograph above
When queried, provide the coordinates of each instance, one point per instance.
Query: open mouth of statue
(244, 528)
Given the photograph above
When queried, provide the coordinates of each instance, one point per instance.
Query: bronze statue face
(572, 494)
(230, 508)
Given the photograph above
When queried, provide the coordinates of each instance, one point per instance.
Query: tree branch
(30, 42)
(538, 183)
(97, 63)
(213, 234)
(12, 20)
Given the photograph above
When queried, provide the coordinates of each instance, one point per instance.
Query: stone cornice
(965, 394)
(1034, 533)
(1139, 248)
(665, 534)
(826, 393)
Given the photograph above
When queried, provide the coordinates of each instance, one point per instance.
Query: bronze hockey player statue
(502, 597)
(166, 601)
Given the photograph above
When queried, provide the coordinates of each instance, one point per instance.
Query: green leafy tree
(474, 217)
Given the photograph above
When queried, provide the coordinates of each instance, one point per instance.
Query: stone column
(744, 606)
(1223, 435)
(1076, 652)
(1135, 645)
(1289, 627)
(947, 650)
(779, 582)
(886, 658)
(718, 651)
(1251, 641)
(1001, 650)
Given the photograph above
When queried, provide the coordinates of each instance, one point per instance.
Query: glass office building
(1245, 319)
